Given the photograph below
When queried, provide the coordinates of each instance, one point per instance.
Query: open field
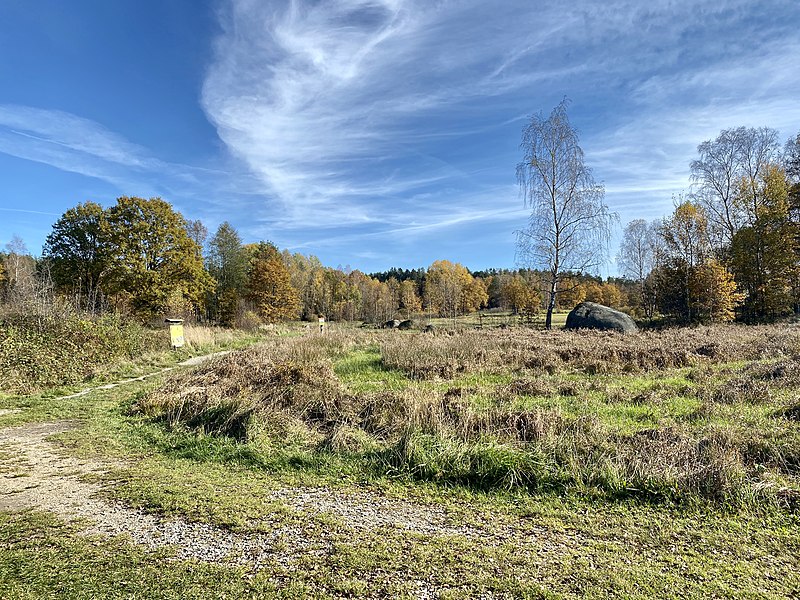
(492, 463)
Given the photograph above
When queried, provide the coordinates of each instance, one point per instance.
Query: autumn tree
(408, 299)
(520, 296)
(572, 292)
(713, 293)
(227, 263)
(78, 251)
(764, 252)
(692, 285)
(447, 286)
(593, 291)
(307, 275)
(474, 296)
(612, 295)
(569, 224)
(153, 264)
(378, 303)
(269, 285)
(736, 155)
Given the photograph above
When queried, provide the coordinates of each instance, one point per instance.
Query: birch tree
(569, 224)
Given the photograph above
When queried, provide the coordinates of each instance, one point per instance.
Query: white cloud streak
(351, 108)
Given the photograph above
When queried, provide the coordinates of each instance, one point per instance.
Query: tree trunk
(551, 303)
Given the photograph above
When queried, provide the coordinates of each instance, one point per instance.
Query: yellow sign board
(176, 335)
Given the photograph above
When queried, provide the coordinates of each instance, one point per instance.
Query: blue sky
(372, 133)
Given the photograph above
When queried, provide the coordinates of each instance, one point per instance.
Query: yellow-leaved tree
(408, 298)
(269, 285)
(713, 292)
(521, 297)
(691, 285)
(763, 253)
(450, 289)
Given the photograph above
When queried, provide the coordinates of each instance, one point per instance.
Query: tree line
(142, 257)
(731, 247)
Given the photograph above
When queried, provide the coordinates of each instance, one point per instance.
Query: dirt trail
(33, 474)
(191, 362)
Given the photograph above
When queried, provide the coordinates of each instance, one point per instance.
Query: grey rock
(391, 324)
(407, 324)
(590, 315)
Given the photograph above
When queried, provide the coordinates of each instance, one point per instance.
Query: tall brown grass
(440, 433)
(425, 356)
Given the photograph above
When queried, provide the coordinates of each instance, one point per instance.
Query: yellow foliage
(713, 292)
(521, 297)
(270, 287)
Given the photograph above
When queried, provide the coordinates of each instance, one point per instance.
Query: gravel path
(36, 475)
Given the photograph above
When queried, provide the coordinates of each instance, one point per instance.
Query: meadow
(493, 462)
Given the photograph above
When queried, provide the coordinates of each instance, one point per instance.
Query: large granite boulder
(589, 315)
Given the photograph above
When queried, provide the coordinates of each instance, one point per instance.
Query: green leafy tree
(153, 262)
(227, 263)
(78, 253)
(269, 285)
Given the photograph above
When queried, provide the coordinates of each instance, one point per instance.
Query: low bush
(37, 353)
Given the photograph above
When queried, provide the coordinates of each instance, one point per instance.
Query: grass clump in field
(656, 415)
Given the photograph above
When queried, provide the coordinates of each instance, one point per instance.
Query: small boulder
(429, 328)
(391, 324)
(407, 324)
(589, 315)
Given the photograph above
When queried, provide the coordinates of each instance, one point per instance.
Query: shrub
(37, 352)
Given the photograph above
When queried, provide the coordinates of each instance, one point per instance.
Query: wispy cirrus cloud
(78, 145)
(69, 142)
(353, 108)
